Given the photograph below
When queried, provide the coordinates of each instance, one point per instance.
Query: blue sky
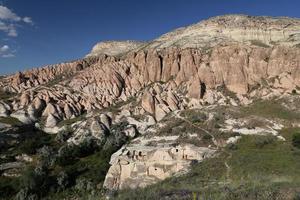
(39, 32)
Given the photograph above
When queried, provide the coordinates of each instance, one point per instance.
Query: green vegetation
(59, 78)
(296, 139)
(270, 109)
(6, 95)
(8, 186)
(116, 108)
(59, 169)
(194, 115)
(10, 120)
(69, 122)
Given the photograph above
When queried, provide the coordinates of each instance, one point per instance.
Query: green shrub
(207, 137)
(194, 116)
(8, 186)
(296, 139)
(262, 141)
(232, 146)
(10, 120)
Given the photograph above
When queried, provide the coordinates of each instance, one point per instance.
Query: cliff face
(226, 60)
(100, 82)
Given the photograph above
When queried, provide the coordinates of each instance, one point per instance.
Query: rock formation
(225, 60)
(138, 165)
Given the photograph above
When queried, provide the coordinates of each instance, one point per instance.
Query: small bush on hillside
(62, 180)
(194, 116)
(65, 155)
(260, 142)
(296, 139)
(207, 137)
(232, 146)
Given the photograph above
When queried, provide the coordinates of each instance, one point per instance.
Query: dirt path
(202, 129)
(228, 168)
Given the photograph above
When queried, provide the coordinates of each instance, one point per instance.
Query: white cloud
(7, 14)
(12, 31)
(9, 20)
(6, 52)
(4, 48)
(9, 55)
(28, 20)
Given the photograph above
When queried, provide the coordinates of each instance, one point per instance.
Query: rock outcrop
(114, 48)
(138, 165)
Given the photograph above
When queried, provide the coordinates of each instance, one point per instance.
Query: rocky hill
(155, 108)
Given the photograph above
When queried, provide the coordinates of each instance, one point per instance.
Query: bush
(260, 142)
(8, 186)
(64, 135)
(297, 196)
(35, 181)
(296, 139)
(232, 146)
(82, 184)
(194, 116)
(207, 137)
(47, 156)
(62, 180)
(65, 155)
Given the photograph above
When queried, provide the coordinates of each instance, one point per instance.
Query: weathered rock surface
(114, 48)
(138, 165)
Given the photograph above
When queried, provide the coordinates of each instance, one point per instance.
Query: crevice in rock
(160, 65)
(202, 90)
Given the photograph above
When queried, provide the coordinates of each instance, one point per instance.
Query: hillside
(207, 111)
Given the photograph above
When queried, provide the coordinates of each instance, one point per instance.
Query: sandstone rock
(24, 99)
(148, 102)
(50, 109)
(172, 101)
(4, 109)
(51, 121)
(106, 120)
(68, 111)
(194, 90)
(138, 166)
(39, 104)
(22, 116)
(130, 131)
(160, 113)
(98, 130)
(32, 112)
(114, 47)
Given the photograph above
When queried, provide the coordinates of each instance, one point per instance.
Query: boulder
(106, 120)
(98, 130)
(160, 113)
(24, 99)
(130, 131)
(148, 102)
(51, 121)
